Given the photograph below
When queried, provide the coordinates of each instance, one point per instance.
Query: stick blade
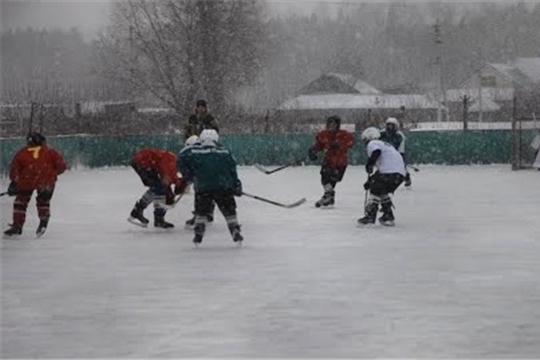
(262, 169)
(295, 204)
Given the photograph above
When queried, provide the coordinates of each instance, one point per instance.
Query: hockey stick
(268, 172)
(4, 193)
(414, 168)
(176, 201)
(287, 206)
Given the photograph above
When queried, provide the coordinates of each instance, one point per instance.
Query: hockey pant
(43, 201)
(381, 186)
(330, 176)
(149, 177)
(204, 204)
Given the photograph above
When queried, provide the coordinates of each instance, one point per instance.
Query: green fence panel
(425, 147)
(459, 147)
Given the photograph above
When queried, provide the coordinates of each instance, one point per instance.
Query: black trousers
(332, 175)
(148, 177)
(223, 198)
(384, 184)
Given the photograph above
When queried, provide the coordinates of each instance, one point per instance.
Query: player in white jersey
(536, 146)
(389, 175)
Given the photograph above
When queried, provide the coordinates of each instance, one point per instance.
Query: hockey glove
(237, 191)
(369, 168)
(12, 189)
(180, 187)
(367, 184)
(334, 145)
(169, 199)
(312, 154)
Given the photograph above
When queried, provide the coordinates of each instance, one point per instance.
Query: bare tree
(177, 50)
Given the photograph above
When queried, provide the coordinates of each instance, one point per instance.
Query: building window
(488, 81)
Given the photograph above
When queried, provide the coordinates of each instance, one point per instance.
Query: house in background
(358, 103)
(334, 83)
(500, 83)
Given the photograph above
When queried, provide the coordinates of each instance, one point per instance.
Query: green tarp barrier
(425, 147)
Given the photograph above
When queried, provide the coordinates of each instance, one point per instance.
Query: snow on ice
(457, 277)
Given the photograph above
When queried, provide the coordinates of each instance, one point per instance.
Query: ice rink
(459, 275)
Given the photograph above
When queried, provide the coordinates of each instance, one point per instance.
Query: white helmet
(392, 120)
(209, 137)
(371, 133)
(191, 140)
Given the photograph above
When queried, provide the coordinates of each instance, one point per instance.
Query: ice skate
(370, 215)
(235, 233)
(407, 181)
(13, 231)
(161, 223)
(42, 227)
(386, 220)
(326, 200)
(199, 233)
(366, 220)
(197, 240)
(137, 218)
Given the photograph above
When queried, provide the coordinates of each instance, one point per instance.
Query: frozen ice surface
(458, 276)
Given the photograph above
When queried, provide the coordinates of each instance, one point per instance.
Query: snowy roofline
(358, 101)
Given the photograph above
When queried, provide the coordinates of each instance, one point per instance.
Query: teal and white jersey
(397, 140)
(209, 167)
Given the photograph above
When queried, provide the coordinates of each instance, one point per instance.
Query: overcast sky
(90, 16)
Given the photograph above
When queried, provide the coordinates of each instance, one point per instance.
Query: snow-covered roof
(358, 101)
(521, 71)
(361, 86)
(507, 71)
(530, 67)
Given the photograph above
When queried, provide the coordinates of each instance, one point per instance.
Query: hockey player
(157, 170)
(194, 139)
(535, 144)
(335, 144)
(396, 138)
(34, 167)
(200, 120)
(212, 169)
(389, 175)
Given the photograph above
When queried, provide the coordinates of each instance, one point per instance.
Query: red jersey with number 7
(36, 167)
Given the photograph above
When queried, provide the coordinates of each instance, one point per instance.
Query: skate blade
(136, 222)
(11, 237)
(39, 234)
(331, 206)
(387, 223)
(365, 226)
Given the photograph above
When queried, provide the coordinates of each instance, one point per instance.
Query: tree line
(234, 53)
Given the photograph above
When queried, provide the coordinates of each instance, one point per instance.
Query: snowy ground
(457, 277)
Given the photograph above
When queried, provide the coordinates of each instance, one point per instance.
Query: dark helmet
(334, 119)
(35, 139)
(201, 103)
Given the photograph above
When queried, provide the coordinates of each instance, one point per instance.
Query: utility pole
(480, 57)
(438, 62)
